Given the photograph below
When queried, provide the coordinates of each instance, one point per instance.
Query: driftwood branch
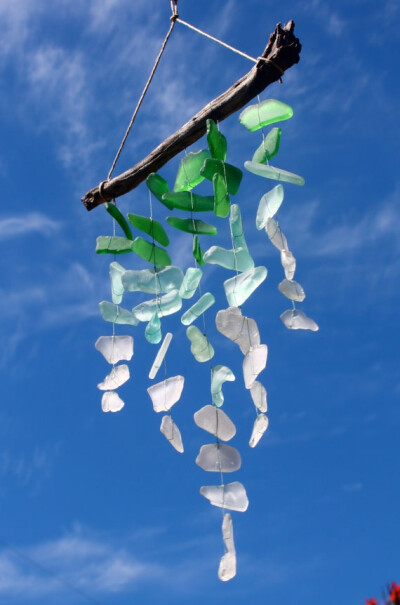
(282, 51)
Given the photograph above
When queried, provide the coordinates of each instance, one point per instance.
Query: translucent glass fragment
(269, 147)
(269, 206)
(240, 287)
(163, 305)
(276, 235)
(197, 251)
(241, 330)
(227, 565)
(109, 244)
(115, 348)
(192, 202)
(231, 174)
(116, 378)
(219, 375)
(189, 170)
(116, 314)
(259, 428)
(111, 402)
(231, 496)
(288, 262)
(121, 220)
(153, 281)
(222, 202)
(153, 330)
(236, 260)
(160, 355)
(276, 174)
(190, 282)
(215, 421)
(151, 227)
(297, 320)
(166, 393)
(259, 396)
(235, 221)
(158, 187)
(191, 225)
(254, 363)
(117, 289)
(150, 252)
(199, 307)
(172, 433)
(218, 457)
(201, 348)
(292, 290)
(267, 112)
(216, 141)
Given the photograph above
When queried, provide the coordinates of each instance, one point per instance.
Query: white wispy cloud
(33, 222)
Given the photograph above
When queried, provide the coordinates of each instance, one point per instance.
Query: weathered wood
(282, 51)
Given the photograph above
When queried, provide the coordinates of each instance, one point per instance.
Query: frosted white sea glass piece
(254, 363)
(219, 375)
(116, 378)
(259, 428)
(288, 262)
(115, 348)
(153, 281)
(172, 433)
(199, 307)
(297, 320)
(238, 328)
(231, 496)
(111, 402)
(259, 396)
(240, 287)
(164, 305)
(227, 565)
(277, 174)
(275, 234)
(160, 355)
(116, 314)
(215, 421)
(269, 206)
(201, 349)
(219, 457)
(292, 290)
(166, 393)
(190, 282)
(117, 289)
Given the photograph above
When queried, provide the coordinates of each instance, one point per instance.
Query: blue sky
(101, 500)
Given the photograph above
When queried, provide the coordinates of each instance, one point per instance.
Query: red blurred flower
(371, 602)
(394, 594)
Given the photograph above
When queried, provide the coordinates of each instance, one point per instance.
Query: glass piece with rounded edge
(276, 174)
(112, 244)
(153, 332)
(192, 202)
(231, 174)
(222, 203)
(115, 348)
(259, 428)
(275, 234)
(190, 282)
(262, 114)
(236, 260)
(216, 141)
(150, 252)
(297, 320)
(111, 402)
(219, 458)
(172, 433)
(121, 220)
(235, 221)
(292, 290)
(163, 305)
(227, 564)
(117, 288)
(166, 393)
(288, 262)
(254, 363)
(116, 314)
(153, 281)
(191, 225)
(219, 375)
(199, 307)
(269, 206)
(116, 378)
(158, 187)
(231, 496)
(201, 348)
(189, 170)
(197, 251)
(259, 396)
(149, 226)
(160, 355)
(269, 147)
(240, 287)
(241, 330)
(215, 421)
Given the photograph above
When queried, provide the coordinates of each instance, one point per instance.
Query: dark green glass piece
(149, 226)
(232, 174)
(109, 244)
(150, 252)
(186, 200)
(158, 187)
(197, 251)
(269, 147)
(191, 225)
(216, 141)
(189, 170)
(119, 217)
(222, 202)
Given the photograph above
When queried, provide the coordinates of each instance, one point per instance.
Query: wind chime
(171, 288)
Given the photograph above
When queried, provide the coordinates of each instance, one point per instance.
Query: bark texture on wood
(283, 50)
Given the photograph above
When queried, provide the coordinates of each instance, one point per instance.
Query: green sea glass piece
(153, 330)
(153, 281)
(117, 288)
(269, 147)
(116, 314)
(121, 220)
(216, 141)
(191, 225)
(199, 307)
(163, 305)
(219, 375)
(231, 174)
(197, 251)
(186, 200)
(239, 288)
(150, 252)
(277, 174)
(112, 244)
(200, 348)
(222, 202)
(267, 112)
(149, 226)
(269, 206)
(158, 187)
(189, 170)
(190, 282)
(235, 221)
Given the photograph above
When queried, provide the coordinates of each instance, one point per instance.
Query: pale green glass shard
(149, 226)
(117, 288)
(153, 330)
(239, 288)
(216, 141)
(199, 307)
(197, 251)
(276, 174)
(219, 375)
(190, 282)
(231, 174)
(163, 305)
(150, 252)
(162, 351)
(235, 221)
(237, 260)
(269, 147)
(191, 225)
(116, 314)
(119, 217)
(112, 244)
(200, 348)
(189, 170)
(158, 187)
(262, 114)
(292, 290)
(186, 200)
(222, 202)
(297, 320)
(153, 281)
(269, 206)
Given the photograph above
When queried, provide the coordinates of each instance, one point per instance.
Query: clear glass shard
(163, 305)
(227, 566)
(276, 174)
(201, 348)
(288, 262)
(231, 174)
(269, 206)
(166, 393)
(109, 244)
(115, 348)
(254, 363)
(116, 378)
(190, 282)
(219, 375)
(231, 496)
(111, 402)
(269, 147)
(262, 114)
(240, 287)
(236, 260)
(215, 421)
(275, 235)
(199, 307)
(172, 433)
(292, 290)
(116, 314)
(259, 428)
(259, 396)
(241, 330)
(189, 170)
(222, 202)
(297, 320)
(219, 457)
(150, 226)
(216, 141)
(153, 332)
(117, 289)
(160, 356)
(153, 281)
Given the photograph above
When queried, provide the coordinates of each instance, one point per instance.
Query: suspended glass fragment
(153, 281)
(199, 307)
(227, 565)
(158, 187)
(116, 378)
(201, 348)
(218, 457)
(121, 220)
(160, 355)
(115, 348)
(240, 287)
(189, 170)
(269, 147)
(259, 428)
(219, 375)
(269, 206)
(254, 363)
(116, 314)
(152, 332)
(262, 114)
(172, 433)
(163, 305)
(149, 226)
(275, 235)
(231, 174)
(112, 244)
(190, 282)
(231, 496)
(215, 421)
(166, 393)
(288, 262)
(235, 221)
(150, 252)
(259, 396)
(111, 402)
(191, 225)
(297, 320)
(216, 141)
(222, 203)
(277, 174)
(192, 202)
(292, 290)
(117, 289)
(241, 330)
(236, 260)
(197, 251)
